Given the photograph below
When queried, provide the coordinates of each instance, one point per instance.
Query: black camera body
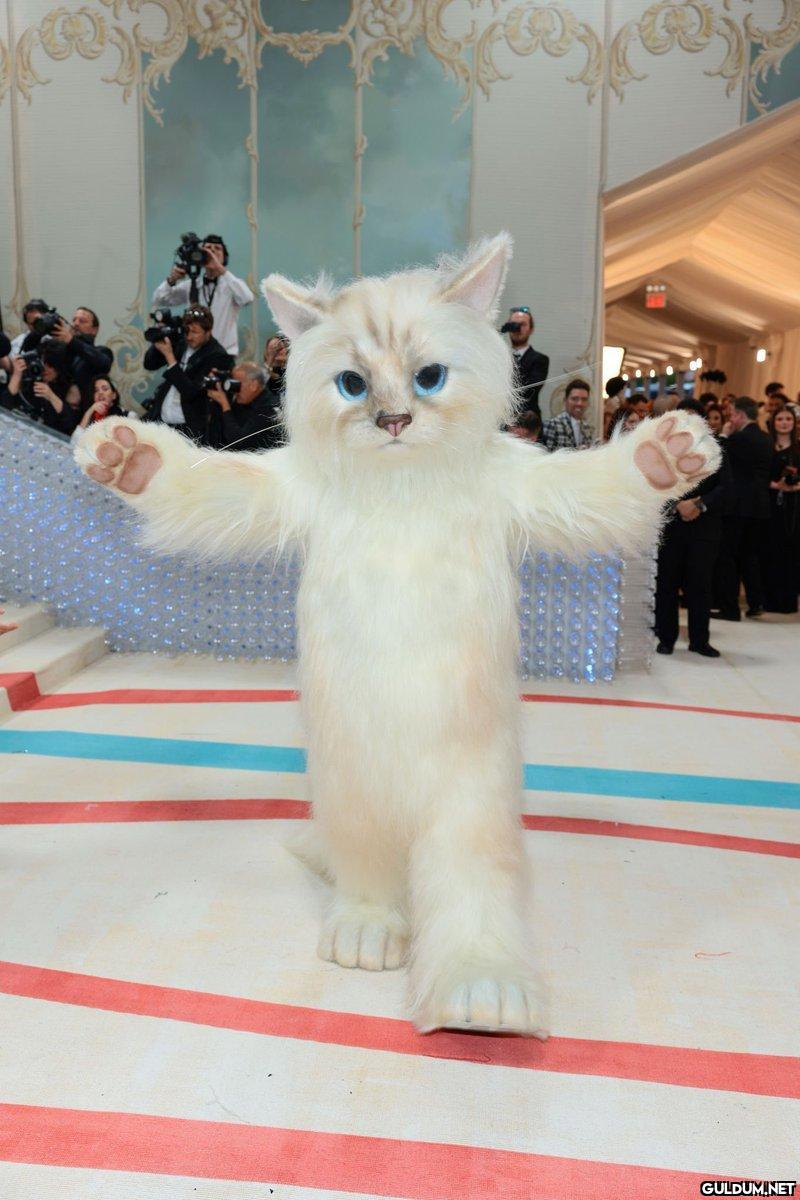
(167, 325)
(46, 323)
(231, 387)
(190, 255)
(34, 366)
(511, 327)
(789, 476)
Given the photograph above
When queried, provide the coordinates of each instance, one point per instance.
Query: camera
(46, 323)
(31, 404)
(231, 387)
(190, 255)
(34, 366)
(789, 476)
(166, 324)
(511, 327)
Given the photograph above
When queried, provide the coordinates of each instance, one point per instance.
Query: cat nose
(394, 422)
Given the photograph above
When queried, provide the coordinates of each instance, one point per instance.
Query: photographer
(247, 416)
(218, 289)
(46, 395)
(30, 313)
(181, 400)
(276, 352)
(530, 366)
(84, 360)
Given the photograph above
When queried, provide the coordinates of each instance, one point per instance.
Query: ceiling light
(625, 377)
(761, 354)
(652, 373)
(670, 371)
(638, 373)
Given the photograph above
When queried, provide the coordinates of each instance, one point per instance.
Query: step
(45, 662)
(31, 619)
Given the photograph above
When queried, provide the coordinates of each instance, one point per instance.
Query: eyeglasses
(520, 308)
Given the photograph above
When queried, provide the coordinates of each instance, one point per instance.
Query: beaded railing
(71, 545)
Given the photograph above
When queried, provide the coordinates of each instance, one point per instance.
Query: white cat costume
(411, 508)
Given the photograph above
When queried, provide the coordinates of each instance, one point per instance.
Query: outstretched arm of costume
(214, 504)
(610, 497)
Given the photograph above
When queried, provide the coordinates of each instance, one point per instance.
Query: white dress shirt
(172, 409)
(225, 299)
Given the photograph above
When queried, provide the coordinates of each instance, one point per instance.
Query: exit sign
(655, 295)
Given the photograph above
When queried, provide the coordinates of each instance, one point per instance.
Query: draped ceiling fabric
(721, 228)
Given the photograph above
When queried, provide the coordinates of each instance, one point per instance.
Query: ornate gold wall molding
(61, 34)
(690, 25)
(774, 45)
(551, 28)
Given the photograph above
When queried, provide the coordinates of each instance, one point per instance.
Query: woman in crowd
(714, 419)
(105, 402)
(628, 418)
(782, 566)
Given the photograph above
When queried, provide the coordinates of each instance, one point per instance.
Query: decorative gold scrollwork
(773, 46)
(688, 24)
(551, 28)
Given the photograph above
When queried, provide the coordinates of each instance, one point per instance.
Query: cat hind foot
(364, 935)
(484, 1004)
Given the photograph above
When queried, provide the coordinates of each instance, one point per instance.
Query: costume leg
(365, 924)
(470, 959)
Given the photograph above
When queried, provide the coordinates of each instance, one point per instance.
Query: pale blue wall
(416, 169)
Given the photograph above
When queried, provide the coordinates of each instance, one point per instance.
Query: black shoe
(663, 648)
(726, 616)
(754, 612)
(706, 651)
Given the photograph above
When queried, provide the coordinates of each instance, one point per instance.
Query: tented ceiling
(721, 228)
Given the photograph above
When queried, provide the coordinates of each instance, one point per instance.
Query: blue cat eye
(351, 385)
(430, 380)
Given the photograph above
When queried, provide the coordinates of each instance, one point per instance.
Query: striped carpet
(169, 1033)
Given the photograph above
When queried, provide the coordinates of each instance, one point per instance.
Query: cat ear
(478, 282)
(294, 307)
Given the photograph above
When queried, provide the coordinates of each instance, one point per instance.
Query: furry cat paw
(112, 453)
(485, 1005)
(364, 936)
(677, 449)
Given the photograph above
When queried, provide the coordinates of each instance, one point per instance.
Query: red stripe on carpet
(166, 696)
(285, 695)
(306, 1158)
(68, 812)
(659, 833)
(754, 1074)
(605, 701)
(22, 688)
(57, 812)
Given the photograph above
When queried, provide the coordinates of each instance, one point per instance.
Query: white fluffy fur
(407, 611)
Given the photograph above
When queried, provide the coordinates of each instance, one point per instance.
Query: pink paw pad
(669, 455)
(125, 462)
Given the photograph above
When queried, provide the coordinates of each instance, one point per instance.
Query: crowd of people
(740, 527)
(58, 373)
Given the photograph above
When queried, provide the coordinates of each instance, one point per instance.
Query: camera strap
(209, 288)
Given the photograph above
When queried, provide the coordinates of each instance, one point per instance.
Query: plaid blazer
(557, 434)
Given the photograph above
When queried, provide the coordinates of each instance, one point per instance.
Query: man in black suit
(749, 452)
(530, 366)
(181, 400)
(687, 556)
